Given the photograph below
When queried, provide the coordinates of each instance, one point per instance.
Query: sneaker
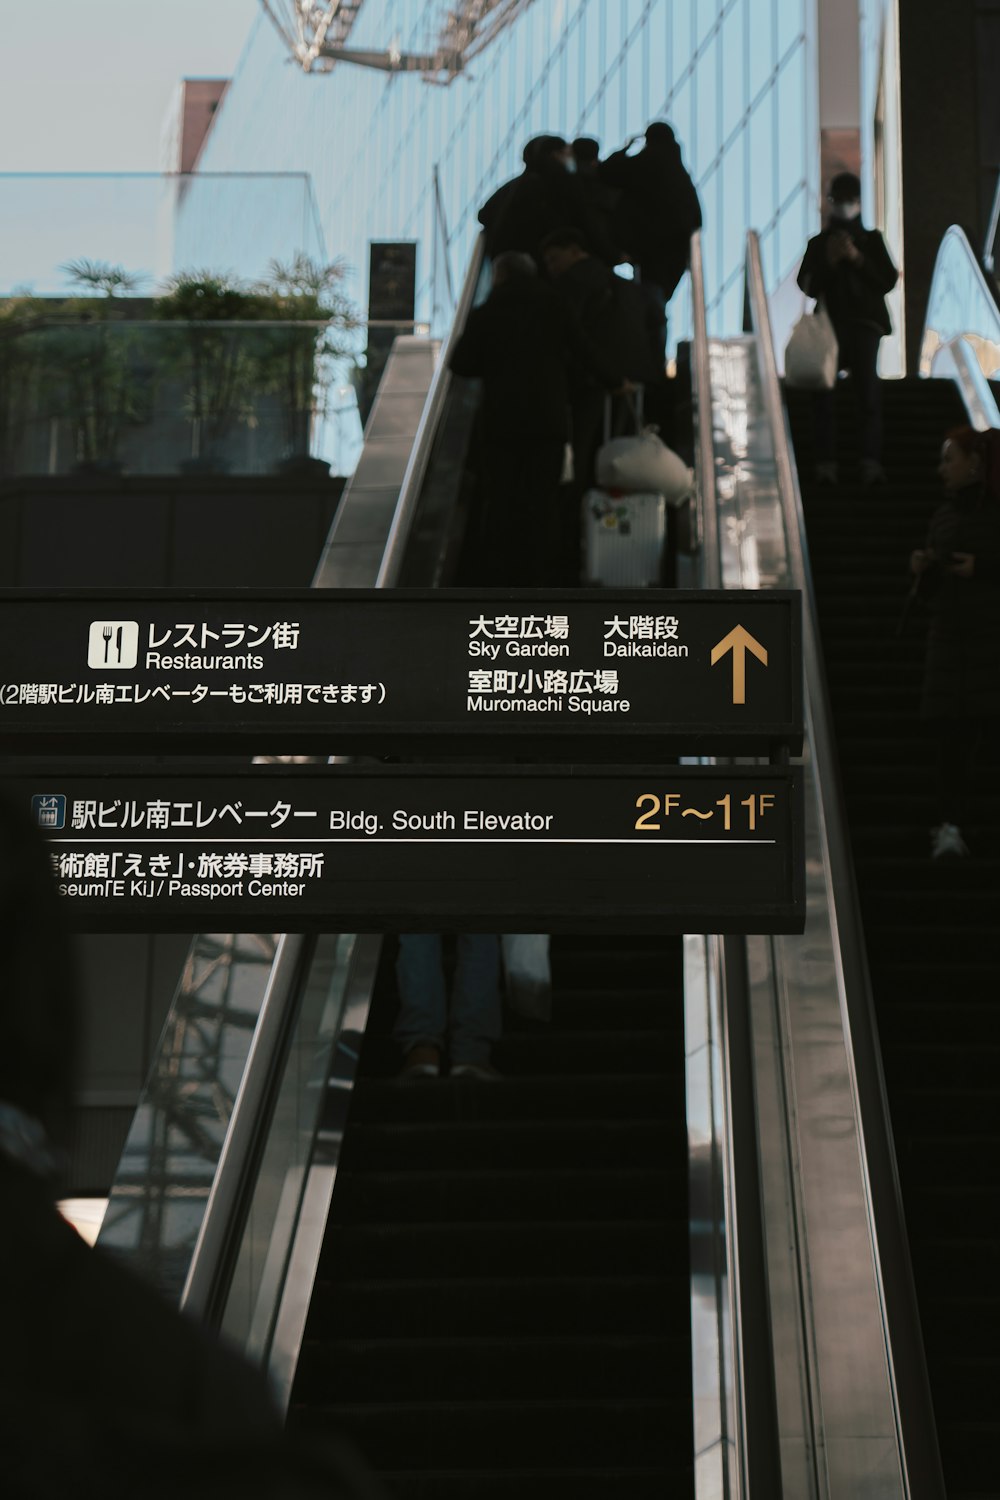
(422, 1061)
(872, 472)
(826, 473)
(482, 1072)
(946, 839)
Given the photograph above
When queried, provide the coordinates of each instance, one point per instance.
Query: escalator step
(429, 1197)
(484, 1146)
(515, 1434)
(491, 1247)
(543, 1097)
(491, 1307)
(568, 1482)
(584, 1366)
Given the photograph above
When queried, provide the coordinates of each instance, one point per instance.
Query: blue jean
(472, 1024)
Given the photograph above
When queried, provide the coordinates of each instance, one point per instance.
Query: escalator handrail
(203, 1294)
(416, 468)
(963, 346)
(904, 1348)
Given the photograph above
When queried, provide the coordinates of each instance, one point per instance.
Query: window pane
(707, 105)
(792, 235)
(791, 109)
(761, 151)
(662, 62)
(733, 43)
(683, 35)
(760, 45)
(791, 23)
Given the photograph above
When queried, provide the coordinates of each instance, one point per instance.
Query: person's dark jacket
(658, 210)
(523, 211)
(962, 667)
(106, 1389)
(623, 324)
(522, 343)
(850, 293)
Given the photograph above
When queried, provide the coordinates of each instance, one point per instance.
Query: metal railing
(812, 990)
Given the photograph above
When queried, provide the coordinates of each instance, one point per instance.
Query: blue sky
(85, 84)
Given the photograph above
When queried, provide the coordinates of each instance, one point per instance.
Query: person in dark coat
(957, 573)
(848, 268)
(600, 196)
(623, 323)
(104, 1388)
(659, 208)
(545, 196)
(520, 343)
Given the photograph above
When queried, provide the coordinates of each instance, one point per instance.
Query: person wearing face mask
(849, 270)
(957, 575)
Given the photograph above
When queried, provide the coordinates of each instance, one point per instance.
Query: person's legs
(863, 365)
(957, 745)
(825, 434)
(521, 513)
(423, 1004)
(475, 1002)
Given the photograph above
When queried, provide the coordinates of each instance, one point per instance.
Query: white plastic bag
(644, 464)
(811, 354)
(529, 980)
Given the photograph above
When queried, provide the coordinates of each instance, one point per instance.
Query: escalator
(929, 925)
(620, 1270)
(502, 1300)
(502, 1305)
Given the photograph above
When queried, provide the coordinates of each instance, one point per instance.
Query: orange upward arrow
(739, 642)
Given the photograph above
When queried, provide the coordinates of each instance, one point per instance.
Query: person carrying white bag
(849, 270)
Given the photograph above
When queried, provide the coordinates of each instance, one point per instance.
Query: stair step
(579, 1367)
(457, 1197)
(491, 1247)
(488, 1307)
(513, 1434)
(542, 1097)
(486, 1145)
(568, 1482)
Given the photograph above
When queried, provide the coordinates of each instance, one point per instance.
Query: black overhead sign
(582, 674)
(665, 849)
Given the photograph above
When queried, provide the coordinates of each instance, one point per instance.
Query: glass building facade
(736, 79)
(881, 152)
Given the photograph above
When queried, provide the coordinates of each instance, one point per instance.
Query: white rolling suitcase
(624, 523)
(623, 538)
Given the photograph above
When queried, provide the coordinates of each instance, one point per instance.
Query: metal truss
(315, 36)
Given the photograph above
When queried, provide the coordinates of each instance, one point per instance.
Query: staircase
(503, 1306)
(931, 928)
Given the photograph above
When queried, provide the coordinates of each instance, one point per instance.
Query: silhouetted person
(519, 343)
(601, 198)
(848, 268)
(104, 1388)
(625, 326)
(957, 573)
(546, 195)
(659, 209)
